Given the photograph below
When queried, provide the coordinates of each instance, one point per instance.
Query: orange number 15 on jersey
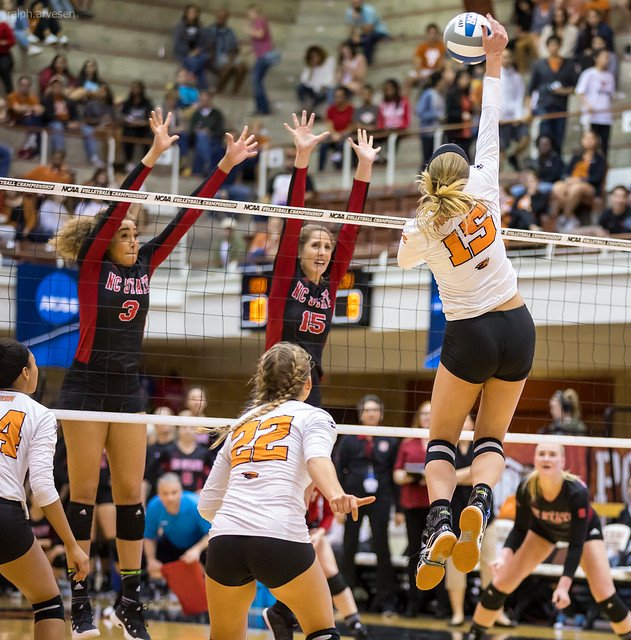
(10, 428)
(473, 235)
(254, 441)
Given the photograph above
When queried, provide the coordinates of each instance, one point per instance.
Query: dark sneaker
(473, 519)
(82, 622)
(437, 544)
(132, 621)
(277, 624)
(358, 631)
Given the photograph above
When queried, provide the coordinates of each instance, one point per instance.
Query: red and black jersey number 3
(255, 441)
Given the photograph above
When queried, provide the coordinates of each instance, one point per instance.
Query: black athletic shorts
(86, 390)
(236, 560)
(16, 536)
(498, 344)
(594, 530)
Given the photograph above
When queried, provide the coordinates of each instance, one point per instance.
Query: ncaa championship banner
(48, 313)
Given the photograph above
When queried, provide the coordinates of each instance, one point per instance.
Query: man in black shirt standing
(553, 79)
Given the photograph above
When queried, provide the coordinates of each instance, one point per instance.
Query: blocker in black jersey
(568, 518)
(113, 306)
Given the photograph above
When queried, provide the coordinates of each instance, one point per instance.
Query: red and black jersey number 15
(473, 235)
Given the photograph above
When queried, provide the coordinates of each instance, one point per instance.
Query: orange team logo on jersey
(250, 475)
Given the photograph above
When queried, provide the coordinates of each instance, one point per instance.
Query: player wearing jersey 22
(489, 339)
(114, 285)
(255, 498)
(553, 506)
(28, 434)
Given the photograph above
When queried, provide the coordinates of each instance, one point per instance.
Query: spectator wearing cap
(60, 115)
(365, 466)
(616, 218)
(365, 27)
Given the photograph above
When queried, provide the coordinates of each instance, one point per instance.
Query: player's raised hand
(160, 128)
(363, 148)
(347, 503)
(496, 42)
(240, 149)
(304, 139)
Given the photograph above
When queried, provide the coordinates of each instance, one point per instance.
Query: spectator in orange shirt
(56, 171)
(26, 110)
(428, 57)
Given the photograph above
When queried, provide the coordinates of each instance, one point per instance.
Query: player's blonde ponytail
(281, 375)
(443, 198)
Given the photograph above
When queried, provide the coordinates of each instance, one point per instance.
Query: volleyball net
(206, 325)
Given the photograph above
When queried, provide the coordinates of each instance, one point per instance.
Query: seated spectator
(616, 218)
(186, 458)
(588, 60)
(264, 244)
(513, 135)
(553, 78)
(231, 249)
(60, 114)
(430, 110)
(225, 57)
(187, 91)
(595, 25)
(52, 215)
(527, 43)
(596, 88)
(560, 27)
(25, 109)
(565, 410)
(529, 203)
(164, 437)
(45, 27)
(317, 79)
(58, 67)
(548, 165)
(174, 529)
(91, 208)
(459, 109)
(429, 57)
(365, 27)
(367, 113)
(394, 110)
(190, 44)
(7, 42)
(135, 113)
(57, 170)
(586, 174)
(207, 131)
(339, 122)
(19, 24)
(521, 43)
(352, 68)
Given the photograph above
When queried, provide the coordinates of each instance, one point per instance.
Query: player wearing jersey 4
(553, 506)
(114, 283)
(255, 498)
(489, 340)
(28, 434)
(310, 265)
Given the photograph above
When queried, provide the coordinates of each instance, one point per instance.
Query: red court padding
(187, 582)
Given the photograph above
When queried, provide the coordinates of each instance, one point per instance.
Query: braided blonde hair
(443, 198)
(281, 375)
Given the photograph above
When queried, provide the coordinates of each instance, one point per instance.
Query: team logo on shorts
(250, 475)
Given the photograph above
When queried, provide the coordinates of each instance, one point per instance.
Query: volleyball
(463, 37)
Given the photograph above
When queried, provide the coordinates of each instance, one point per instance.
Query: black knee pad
(49, 610)
(337, 584)
(487, 445)
(80, 519)
(441, 450)
(130, 521)
(324, 634)
(614, 609)
(493, 599)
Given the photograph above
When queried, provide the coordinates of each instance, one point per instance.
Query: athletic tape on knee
(492, 598)
(441, 450)
(324, 634)
(80, 519)
(337, 584)
(49, 610)
(130, 521)
(614, 609)
(487, 445)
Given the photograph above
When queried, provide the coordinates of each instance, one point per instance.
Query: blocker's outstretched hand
(160, 129)
(305, 140)
(240, 149)
(363, 147)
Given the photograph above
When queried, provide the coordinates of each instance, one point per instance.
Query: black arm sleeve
(580, 510)
(523, 518)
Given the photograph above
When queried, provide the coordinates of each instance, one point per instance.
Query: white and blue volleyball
(463, 37)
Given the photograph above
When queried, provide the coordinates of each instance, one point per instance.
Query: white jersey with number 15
(467, 255)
